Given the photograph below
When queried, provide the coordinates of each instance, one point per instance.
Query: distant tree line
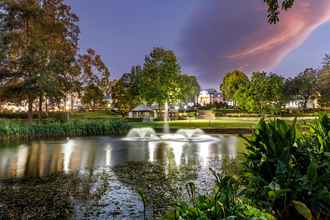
(269, 92)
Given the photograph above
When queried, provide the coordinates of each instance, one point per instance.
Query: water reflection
(41, 158)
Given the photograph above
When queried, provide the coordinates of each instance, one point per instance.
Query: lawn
(94, 115)
(223, 122)
(220, 122)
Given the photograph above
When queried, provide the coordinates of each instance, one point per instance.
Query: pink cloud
(233, 34)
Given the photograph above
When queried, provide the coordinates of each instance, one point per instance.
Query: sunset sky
(209, 37)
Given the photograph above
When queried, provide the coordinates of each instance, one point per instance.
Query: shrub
(14, 129)
(224, 203)
(282, 169)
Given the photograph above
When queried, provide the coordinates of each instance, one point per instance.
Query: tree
(268, 90)
(40, 39)
(232, 82)
(303, 87)
(245, 99)
(126, 92)
(93, 96)
(160, 82)
(274, 8)
(263, 93)
(190, 88)
(95, 79)
(324, 82)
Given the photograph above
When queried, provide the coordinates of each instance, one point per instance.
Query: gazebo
(143, 112)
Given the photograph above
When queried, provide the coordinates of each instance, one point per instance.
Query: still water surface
(129, 164)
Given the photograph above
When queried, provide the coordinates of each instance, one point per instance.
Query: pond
(105, 177)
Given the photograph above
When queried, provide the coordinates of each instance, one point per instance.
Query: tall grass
(14, 129)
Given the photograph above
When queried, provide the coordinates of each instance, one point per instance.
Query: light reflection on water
(41, 158)
(172, 164)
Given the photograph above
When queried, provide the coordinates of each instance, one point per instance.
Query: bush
(282, 169)
(224, 203)
(13, 129)
(60, 116)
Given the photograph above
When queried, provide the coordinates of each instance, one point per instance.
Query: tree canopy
(41, 41)
(232, 82)
(263, 93)
(302, 87)
(126, 92)
(39, 55)
(190, 88)
(95, 78)
(161, 72)
(324, 82)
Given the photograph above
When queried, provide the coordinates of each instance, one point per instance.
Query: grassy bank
(223, 122)
(11, 129)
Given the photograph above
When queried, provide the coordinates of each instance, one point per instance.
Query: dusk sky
(209, 37)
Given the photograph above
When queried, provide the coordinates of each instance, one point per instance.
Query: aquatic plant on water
(53, 197)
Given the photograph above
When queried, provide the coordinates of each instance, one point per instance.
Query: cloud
(233, 34)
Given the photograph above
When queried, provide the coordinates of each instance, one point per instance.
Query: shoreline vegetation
(15, 126)
(10, 129)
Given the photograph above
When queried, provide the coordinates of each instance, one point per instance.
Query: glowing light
(108, 155)
(22, 156)
(152, 146)
(67, 152)
(204, 153)
(177, 149)
(232, 149)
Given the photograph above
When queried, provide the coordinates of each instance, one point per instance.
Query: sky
(210, 38)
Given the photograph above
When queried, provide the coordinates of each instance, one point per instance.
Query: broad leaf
(303, 210)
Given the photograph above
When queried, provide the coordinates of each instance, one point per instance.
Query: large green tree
(161, 72)
(303, 87)
(263, 93)
(232, 82)
(268, 90)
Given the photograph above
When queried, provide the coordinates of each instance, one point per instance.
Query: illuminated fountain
(189, 135)
(141, 134)
(182, 135)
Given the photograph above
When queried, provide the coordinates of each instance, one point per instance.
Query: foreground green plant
(13, 129)
(225, 202)
(289, 174)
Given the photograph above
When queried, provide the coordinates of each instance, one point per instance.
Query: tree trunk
(40, 107)
(67, 115)
(46, 106)
(71, 103)
(30, 110)
(305, 103)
